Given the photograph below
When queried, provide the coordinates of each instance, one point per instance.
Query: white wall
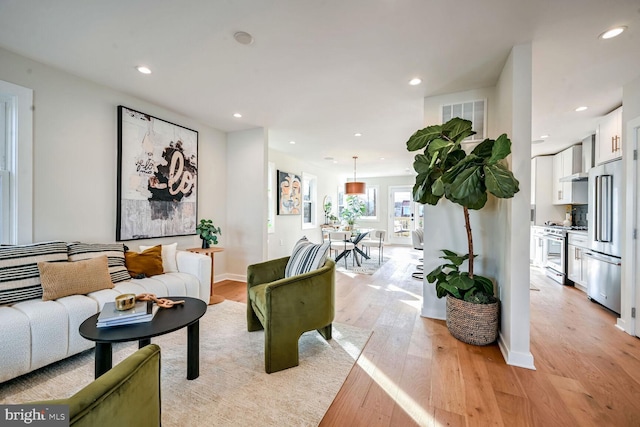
(246, 201)
(288, 228)
(512, 226)
(630, 266)
(75, 149)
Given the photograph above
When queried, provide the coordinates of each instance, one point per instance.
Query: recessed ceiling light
(614, 32)
(243, 37)
(143, 69)
(537, 141)
(415, 81)
(581, 108)
(292, 142)
(335, 162)
(237, 115)
(357, 134)
(544, 136)
(381, 158)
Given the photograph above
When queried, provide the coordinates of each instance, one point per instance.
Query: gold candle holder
(125, 302)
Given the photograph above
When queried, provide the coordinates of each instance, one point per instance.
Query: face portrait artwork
(289, 194)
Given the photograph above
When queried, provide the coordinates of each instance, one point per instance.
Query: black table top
(165, 320)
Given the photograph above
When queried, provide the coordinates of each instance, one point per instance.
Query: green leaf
(422, 163)
(457, 129)
(461, 281)
(501, 149)
(423, 137)
(437, 145)
(452, 289)
(500, 181)
(433, 275)
(438, 187)
(484, 149)
(483, 284)
(467, 187)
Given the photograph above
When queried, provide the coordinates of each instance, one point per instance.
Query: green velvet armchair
(287, 307)
(127, 395)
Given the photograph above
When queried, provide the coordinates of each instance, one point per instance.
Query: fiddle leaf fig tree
(446, 170)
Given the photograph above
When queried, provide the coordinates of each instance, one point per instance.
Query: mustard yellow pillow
(148, 262)
(61, 279)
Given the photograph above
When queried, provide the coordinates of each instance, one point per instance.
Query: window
(6, 141)
(16, 159)
(474, 111)
(309, 200)
(370, 200)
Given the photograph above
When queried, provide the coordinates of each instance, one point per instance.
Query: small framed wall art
(289, 193)
(157, 177)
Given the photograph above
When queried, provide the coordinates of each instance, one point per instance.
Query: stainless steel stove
(555, 251)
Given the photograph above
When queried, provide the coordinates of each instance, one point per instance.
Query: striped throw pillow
(19, 275)
(113, 251)
(306, 256)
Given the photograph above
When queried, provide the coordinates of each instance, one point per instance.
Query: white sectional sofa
(35, 333)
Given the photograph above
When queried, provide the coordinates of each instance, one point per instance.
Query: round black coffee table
(165, 320)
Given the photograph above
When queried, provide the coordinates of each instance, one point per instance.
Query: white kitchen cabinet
(576, 263)
(542, 205)
(565, 163)
(609, 137)
(536, 254)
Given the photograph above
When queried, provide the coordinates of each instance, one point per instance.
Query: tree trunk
(467, 225)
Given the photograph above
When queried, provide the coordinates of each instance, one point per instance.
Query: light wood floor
(413, 372)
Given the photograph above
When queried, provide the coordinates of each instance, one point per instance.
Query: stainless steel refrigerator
(604, 260)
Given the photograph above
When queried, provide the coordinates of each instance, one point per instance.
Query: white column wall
(246, 201)
(514, 118)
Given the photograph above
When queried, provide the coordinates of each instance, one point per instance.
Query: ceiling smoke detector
(243, 37)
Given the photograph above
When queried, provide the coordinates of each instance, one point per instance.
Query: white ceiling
(320, 71)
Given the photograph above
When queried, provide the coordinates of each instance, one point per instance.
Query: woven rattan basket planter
(475, 324)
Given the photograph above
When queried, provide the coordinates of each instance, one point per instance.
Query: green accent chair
(126, 395)
(287, 307)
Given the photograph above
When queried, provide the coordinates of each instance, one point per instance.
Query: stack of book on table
(140, 313)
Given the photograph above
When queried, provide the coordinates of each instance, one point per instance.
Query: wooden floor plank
(413, 372)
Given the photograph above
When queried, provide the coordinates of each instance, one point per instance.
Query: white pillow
(306, 257)
(169, 263)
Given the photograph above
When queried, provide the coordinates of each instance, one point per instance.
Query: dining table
(356, 237)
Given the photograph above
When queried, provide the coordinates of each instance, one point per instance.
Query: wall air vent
(476, 111)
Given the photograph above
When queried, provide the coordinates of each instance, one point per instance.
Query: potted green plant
(327, 206)
(446, 170)
(208, 232)
(353, 209)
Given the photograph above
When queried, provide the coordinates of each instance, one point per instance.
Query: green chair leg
(326, 332)
(280, 352)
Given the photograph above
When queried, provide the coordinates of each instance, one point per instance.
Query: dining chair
(376, 241)
(340, 242)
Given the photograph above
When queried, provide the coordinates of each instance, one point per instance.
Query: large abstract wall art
(157, 177)
(289, 193)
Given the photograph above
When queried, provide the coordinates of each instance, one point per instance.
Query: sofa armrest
(117, 396)
(198, 265)
(266, 272)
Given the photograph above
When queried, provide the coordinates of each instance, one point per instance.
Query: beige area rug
(367, 266)
(233, 389)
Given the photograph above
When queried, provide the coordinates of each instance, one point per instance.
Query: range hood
(580, 176)
(588, 147)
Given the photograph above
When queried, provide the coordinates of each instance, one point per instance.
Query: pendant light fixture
(355, 187)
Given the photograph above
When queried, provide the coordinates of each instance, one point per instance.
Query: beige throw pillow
(61, 279)
(169, 262)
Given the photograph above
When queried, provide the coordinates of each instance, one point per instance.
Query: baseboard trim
(521, 360)
(233, 277)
